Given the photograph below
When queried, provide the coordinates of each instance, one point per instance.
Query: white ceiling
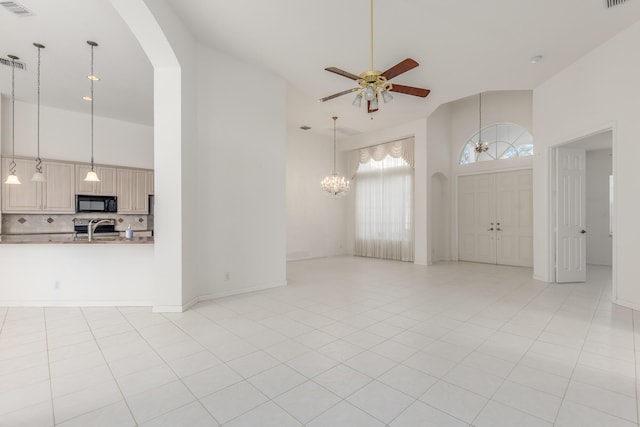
(125, 90)
(463, 47)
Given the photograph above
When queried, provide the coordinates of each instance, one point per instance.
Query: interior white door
(476, 218)
(571, 242)
(495, 214)
(514, 218)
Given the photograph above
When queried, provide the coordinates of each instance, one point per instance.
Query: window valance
(402, 148)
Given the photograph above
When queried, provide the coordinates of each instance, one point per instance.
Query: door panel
(571, 258)
(476, 208)
(515, 206)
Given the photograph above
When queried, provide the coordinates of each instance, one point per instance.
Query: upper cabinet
(65, 179)
(106, 186)
(56, 195)
(133, 190)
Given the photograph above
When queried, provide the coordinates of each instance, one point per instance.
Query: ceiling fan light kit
(373, 84)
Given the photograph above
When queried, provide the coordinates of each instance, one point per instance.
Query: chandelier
(480, 146)
(335, 184)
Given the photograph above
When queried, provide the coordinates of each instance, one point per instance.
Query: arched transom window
(504, 141)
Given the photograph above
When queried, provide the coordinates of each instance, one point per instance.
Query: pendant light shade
(38, 176)
(13, 179)
(91, 175)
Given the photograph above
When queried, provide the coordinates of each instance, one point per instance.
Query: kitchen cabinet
(133, 191)
(56, 195)
(106, 186)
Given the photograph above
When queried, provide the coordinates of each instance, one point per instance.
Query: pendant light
(91, 175)
(38, 176)
(12, 179)
(335, 184)
(480, 146)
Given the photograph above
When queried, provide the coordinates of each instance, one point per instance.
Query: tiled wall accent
(24, 224)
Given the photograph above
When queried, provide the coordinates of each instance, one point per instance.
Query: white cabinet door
(571, 241)
(82, 186)
(495, 223)
(58, 189)
(133, 191)
(106, 186)
(23, 198)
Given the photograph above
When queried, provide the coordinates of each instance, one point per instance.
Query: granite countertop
(66, 238)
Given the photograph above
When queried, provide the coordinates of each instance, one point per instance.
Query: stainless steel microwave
(89, 203)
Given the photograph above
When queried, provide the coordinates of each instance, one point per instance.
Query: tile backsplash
(42, 223)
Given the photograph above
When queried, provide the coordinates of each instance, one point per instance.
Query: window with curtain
(384, 201)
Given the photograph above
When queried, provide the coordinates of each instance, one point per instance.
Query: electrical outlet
(56, 285)
(226, 276)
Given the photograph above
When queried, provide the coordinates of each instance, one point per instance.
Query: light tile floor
(350, 342)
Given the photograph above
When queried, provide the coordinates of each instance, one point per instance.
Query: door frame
(552, 211)
(455, 250)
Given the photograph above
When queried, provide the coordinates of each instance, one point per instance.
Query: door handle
(498, 229)
(491, 229)
(583, 231)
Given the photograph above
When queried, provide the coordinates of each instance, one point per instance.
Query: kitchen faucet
(93, 225)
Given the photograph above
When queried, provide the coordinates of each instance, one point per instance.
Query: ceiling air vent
(20, 10)
(611, 3)
(8, 62)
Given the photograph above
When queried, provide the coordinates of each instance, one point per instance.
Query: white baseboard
(167, 309)
(83, 303)
(540, 278)
(232, 292)
(627, 304)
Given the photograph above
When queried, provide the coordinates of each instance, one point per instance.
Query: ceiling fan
(373, 84)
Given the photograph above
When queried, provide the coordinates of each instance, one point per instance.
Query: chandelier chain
(12, 165)
(91, 79)
(38, 160)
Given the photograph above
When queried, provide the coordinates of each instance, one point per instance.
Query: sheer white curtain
(384, 204)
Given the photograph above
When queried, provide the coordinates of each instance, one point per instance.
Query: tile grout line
(490, 399)
(635, 365)
(46, 340)
(229, 367)
(110, 371)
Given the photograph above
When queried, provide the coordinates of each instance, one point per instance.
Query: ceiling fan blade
(335, 95)
(399, 68)
(369, 110)
(342, 73)
(410, 90)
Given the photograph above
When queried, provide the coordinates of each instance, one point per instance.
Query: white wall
(439, 186)
(417, 129)
(598, 92)
(241, 138)
(599, 242)
(66, 135)
(316, 222)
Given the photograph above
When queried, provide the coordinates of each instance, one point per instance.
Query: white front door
(476, 223)
(571, 241)
(495, 223)
(514, 218)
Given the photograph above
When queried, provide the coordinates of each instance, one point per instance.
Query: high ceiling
(463, 47)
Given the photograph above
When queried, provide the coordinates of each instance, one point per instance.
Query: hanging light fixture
(13, 178)
(335, 184)
(91, 175)
(38, 176)
(480, 146)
